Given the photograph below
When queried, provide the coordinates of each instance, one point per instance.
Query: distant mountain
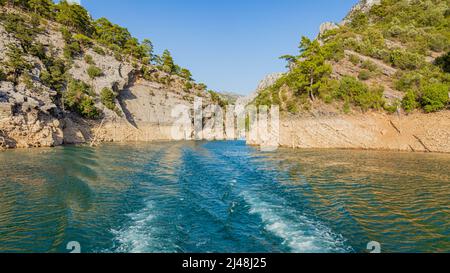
(230, 97)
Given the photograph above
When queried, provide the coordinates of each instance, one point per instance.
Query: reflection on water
(222, 197)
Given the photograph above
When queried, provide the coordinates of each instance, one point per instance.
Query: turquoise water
(222, 197)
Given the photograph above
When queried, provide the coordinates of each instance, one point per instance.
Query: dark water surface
(222, 197)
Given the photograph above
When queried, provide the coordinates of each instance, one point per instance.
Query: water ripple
(222, 197)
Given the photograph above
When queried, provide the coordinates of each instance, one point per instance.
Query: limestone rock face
(266, 82)
(5, 110)
(372, 131)
(25, 116)
(327, 26)
(115, 73)
(363, 6)
(31, 130)
(366, 5)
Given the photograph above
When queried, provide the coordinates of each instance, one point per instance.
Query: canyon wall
(416, 132)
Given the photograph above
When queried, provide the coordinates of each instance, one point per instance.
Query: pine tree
(186, 74)
(147, 48)
(167, 64)
(16, 61)
(312, 64)
(42, 7)
(74, 16)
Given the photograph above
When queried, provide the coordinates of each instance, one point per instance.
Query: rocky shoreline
(416, 132)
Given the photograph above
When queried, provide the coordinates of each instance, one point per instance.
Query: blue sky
(230, 45)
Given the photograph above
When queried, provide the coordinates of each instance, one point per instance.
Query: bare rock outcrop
(31, 130)
(327, 26)
(266, 82)
(361, 6)
(416, 132)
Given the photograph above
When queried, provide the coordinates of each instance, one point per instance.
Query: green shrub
(328, 89)
(350, 88)
(186, 74)
(19, 26)
(334, 50)
(353, 91)
(76, 98)
(72, 50)
(26, 79)
(89, 60)
(2, 75)
(87, 108)
(74, 16)
(118, 56)
(351, 43)
(202, 87)
(435, 97)
(372, 99)
(38, 50)
(41, 7)
(364, 75)
(188, 86)
(83, 40)
(94, 72)
(382, 54)
(410, 101)
(108, 97)
(444, 62)
(406, 60)
(347, 108)
(146, 60)
(276, 98)
(67, 35)
(409, 80)
(16, 63)
(99, 50)
(264, 98)
(369, 65)
(292, 107)
(359, 20)
(396, 31)
(354, 59)
(217, 99)
(391, 108)
(438, 42)
(375, 37)
(54, 75)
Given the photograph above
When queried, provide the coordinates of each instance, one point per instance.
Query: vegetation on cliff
(26, 20)
(350, 65)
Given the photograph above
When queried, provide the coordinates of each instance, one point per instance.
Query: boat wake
(142, 234)
(298, 232)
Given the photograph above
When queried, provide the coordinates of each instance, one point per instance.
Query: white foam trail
(299, 233)
(141, 236)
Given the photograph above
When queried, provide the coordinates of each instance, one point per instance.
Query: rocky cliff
(370, 131)
(32, 114)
